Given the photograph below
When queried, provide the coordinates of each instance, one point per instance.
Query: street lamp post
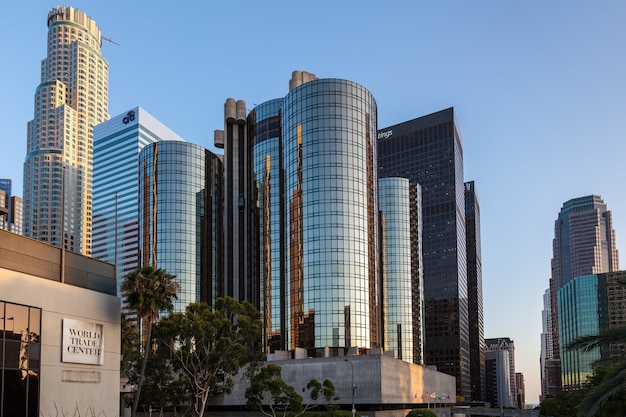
(354, 387)
(500, 372)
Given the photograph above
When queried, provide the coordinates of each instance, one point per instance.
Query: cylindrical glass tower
(330, 166)
(264, 125)
(398, 206)
(180, 217)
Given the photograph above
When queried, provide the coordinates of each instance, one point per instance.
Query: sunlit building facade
(117, 143)
(331, 213)
(264, 122)
(402, 281)
(71, 99)
(584, 243)
(180, 215)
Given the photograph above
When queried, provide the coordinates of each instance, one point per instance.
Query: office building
(117, 143)
(428, 151)
(520, 387)
(587, 305)
(584, 243)
(550, 367)
(399, 202)
(5, 204)
(71, 99)
(475, 293)
(180, 212)
(4, 211)
(59, 331)
(500, 367)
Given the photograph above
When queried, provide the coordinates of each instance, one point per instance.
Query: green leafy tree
(613, 382)
(327, 389)
(268, 388)
(563, 406)
(209, 346)
(148, 291)
(421, 412)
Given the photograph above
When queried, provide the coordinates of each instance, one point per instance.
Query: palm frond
(612, 383)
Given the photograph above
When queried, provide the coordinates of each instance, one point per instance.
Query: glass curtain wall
(329, 150)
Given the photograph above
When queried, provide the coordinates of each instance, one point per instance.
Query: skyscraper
(587, 305)
(475, 293)
(331, 212)
(71, 99)
(584, 243)
(402, 318)
(506, 374)
(5, 207)
(117, 143)
(428, 150)
(180, 203)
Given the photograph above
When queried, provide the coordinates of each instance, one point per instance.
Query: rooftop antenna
(110, 40)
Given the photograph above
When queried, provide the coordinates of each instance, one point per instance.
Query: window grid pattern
(328, 130)
(20, 364)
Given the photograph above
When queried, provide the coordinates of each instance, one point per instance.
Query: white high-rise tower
(70, 100)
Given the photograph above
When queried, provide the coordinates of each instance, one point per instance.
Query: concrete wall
(68, 388)
(380, 380)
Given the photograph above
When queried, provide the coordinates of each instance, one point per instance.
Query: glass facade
(331, 215)
(475, 293)
(397, 262)
(584, 243)
(264, 123)
(71, 99)
(587, 305)
(428, 150)
(20, 353)
(578, 317)
(180, 217)
(117, 143)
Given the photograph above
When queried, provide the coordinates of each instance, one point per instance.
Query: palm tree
(148, 291)
(613, 339)
(614, 381)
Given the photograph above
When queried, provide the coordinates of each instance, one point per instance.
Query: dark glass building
(475, 293)
(428, 150)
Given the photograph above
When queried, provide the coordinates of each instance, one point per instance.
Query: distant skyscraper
(5, 207)
(550, 367)
(117, 143)
(70, 100)
(475, 293)
(584, 243)
(428, 150)
(180, 213)
(587, 305)
(504, 392)
(520, 386)
(4, 211)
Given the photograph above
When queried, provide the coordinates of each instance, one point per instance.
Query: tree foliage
(421, 412)
(267, 388)
(209, 346)
(608, 383)
(148, 291)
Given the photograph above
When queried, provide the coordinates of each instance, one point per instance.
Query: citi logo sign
(385, 135)
(130, 116)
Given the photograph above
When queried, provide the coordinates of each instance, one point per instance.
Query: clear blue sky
(538, 88)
